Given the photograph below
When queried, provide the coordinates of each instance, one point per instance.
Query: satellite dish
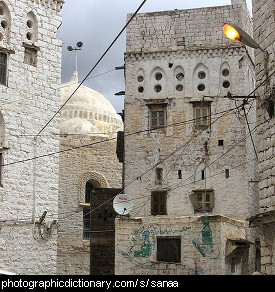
(122, 204)
(79, 44)
(70, 48)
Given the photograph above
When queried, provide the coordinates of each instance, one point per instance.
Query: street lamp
(234, 32)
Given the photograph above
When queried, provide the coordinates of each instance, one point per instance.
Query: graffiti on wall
(145, 238)
(144, 243)
(205, 246)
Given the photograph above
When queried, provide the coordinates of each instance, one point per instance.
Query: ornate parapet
(54, 4)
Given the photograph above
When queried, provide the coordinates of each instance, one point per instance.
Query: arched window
(30, 56)
(31, 27)
(86, 211)
(5, 21)
(225, 76)
(201, 80)
(179, 79)
(158, 81)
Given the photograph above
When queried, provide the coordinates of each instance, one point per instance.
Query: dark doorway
(102, 242)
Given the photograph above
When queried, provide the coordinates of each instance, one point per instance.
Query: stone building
(89, 170)
(190, 168)
(30, 74)
(264, 35)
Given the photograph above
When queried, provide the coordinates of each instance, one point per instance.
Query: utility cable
(248, 126)
(107, 140)
(132, 17)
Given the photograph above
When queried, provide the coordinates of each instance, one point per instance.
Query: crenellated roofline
(54, 4)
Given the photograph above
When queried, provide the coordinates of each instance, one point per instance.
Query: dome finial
(75, 76)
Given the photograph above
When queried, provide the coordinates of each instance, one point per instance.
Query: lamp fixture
(234, 32)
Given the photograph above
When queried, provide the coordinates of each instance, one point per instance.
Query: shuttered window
(202, 114)
(158, 117)
(158, 203)
(202, 200)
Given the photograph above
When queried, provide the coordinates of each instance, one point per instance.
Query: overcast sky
(96, 23)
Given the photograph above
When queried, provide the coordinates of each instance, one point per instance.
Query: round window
(201, 74)
(158, 88)
(29, 36)
(140, 89)
(140, 78)
(226, 84)
(225, 72)
(4, 24)
(201, 87)
(179, 87)
(180, 76)
(29, 23)
(158, 76)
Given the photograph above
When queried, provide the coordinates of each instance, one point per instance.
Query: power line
(142, 204)
(109, 139)
(132, 17)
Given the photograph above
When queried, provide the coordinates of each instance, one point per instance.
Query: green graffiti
(148, 239)
(206, 232)
(146, 246)
(207, 239)
(171, 231)
(198, 247)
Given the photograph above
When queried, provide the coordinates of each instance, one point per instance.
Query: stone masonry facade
(175, 79)
(31, 56)
(264, 35)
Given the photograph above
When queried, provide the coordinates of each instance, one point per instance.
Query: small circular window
(140, 78)
(29, 24)
(180, 76)
(140, 89)
(29, 36)
(158, 88)
(4, 24)
(179, 87)
(158, 76)
(225, 72)
(226, 84)
(1, 11)
(201, 74)
(201, 87)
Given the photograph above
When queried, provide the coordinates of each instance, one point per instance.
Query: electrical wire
(108, 140)
(147, 130)
(181, 184)
(128, 22)
(170, 155)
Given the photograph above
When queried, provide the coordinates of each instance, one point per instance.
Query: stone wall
(182, 147)
(178, 62)
(204, 242)
(182, 29)
(28, 101)
(96, 162)
(264, 35)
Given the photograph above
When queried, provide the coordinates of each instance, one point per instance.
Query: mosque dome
(87, 111)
